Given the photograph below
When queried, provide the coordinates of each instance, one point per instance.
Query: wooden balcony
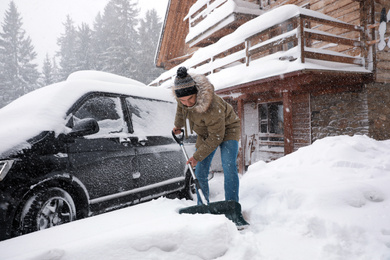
(210, 20)
(316, 41)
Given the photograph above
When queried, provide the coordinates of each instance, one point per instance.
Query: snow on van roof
(45, 109)
(102, 76)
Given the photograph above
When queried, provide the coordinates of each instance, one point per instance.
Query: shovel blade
(231, 209)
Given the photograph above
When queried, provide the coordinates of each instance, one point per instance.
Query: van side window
(151, 117)
(107, 112)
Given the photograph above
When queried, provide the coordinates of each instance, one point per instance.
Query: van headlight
(5, 166)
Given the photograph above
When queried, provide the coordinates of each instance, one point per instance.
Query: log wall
(382, 56)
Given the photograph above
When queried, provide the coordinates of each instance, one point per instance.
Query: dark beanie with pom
(184, 84)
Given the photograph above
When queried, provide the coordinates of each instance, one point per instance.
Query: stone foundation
(378, 100)
(339, 114)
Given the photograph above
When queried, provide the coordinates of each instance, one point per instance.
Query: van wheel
(46, 209)
(189, 191)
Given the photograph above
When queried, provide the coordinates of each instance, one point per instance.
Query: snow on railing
(207, 14)
(302, 34)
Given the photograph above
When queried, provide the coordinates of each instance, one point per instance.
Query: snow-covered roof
(45, 109)
(265, 67)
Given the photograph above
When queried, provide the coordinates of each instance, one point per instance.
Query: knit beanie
(184, 84)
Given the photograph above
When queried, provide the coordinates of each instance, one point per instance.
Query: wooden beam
(288, 123)
(332, 89)
(290, 81)
(303, 81)
(241, 115)
(329, 38)
(334, 58)
(349, 27)
(272, 44)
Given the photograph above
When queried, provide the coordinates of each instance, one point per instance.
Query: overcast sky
(43, 19)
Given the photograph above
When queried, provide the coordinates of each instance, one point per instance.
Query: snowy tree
(55, 71)
(76, 52)
(149, 33)
(99, 43)
(118, 27)
(82, 48)
(50, 72)
(116, 44)
(67, 55)
(19, 74)
(47, 72)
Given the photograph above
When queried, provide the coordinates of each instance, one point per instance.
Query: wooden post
(247, 55)
(288, 123)
(241, 156)
(363, 38)
(371, 14)
(301, 39)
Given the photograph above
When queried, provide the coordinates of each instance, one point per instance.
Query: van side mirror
(84, 127)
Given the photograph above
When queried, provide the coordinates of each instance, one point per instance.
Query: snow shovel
(231, 209)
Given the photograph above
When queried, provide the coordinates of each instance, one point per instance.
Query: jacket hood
(205, 93)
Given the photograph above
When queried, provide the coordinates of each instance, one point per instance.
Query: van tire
(45, 209)
(189, 192)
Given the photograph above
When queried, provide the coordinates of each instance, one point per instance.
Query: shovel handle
(179, 140)
(201, 195)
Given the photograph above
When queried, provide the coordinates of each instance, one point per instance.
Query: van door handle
(125, 141)
(143, 141)
(136, 175)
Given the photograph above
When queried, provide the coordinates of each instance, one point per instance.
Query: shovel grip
(179, 139)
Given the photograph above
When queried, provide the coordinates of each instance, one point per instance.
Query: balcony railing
(303, 35)
(210, 19)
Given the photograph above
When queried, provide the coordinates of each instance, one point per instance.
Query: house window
(271, 121)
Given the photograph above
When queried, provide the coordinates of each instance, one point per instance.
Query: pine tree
(50, 72)
(47, 72)
(55, 71)
(82, 48)
(99, 43)
(149, 33)
(67, 54)
(19, 74)
(118, 25)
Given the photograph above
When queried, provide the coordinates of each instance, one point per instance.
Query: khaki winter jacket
(212, 118)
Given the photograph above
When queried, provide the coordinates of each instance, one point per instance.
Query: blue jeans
(229, 152)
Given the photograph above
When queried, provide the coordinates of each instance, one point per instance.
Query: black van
(93, 143)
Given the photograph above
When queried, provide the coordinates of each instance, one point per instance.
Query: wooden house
(295, 70)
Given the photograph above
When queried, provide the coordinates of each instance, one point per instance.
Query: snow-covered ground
(330, 200)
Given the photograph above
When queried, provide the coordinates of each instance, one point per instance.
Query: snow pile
(326, 201)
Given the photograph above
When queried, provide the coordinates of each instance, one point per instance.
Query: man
(215, 123)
